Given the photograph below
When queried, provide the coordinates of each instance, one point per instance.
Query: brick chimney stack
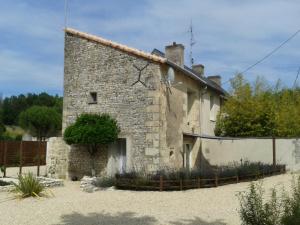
(198, 69)
(216, 79)
(175, 53)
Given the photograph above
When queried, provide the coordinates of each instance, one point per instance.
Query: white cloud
(230, 35)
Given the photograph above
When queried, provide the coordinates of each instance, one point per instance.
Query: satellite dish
(170, 75)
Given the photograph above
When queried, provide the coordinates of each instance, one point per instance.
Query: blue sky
(230, 35)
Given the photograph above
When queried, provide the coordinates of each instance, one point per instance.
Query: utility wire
(295, 82)
(268, 55)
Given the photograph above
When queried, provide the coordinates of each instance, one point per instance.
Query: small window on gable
(93, 98)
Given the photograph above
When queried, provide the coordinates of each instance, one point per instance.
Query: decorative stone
(88, 184)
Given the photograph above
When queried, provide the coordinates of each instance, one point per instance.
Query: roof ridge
(115, 45)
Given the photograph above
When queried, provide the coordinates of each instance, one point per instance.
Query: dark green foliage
(105, 182)
(254, 211)
(92, 130)
(259, 110)
(41, 121)
(28, 186)
(3, 183)
(291, 204)
(276, 211)
(2, 129)
(12, 106)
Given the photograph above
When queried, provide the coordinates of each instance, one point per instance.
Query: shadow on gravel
(198, 221)
(126, 218)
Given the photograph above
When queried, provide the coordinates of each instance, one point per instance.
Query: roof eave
(193, 76)
(115, 45)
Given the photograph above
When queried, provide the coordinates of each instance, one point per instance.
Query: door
(117, 157)
(122, 155)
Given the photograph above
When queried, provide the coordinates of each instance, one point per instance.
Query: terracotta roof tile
(116, 45)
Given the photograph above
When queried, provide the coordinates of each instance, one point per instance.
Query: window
(212, 108)
(190, 101)
(93, 98)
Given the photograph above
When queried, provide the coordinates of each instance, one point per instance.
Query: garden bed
(184, 180)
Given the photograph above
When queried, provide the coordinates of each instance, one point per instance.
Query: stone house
(162, 106)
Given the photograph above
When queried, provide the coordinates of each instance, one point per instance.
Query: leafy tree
(94, 131)
(11, 107)
(41, 121)
(259, 110)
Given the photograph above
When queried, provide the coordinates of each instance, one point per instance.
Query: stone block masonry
(111, 74)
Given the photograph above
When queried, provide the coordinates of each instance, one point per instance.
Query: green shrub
(276, 211)
(254, 211)
(291, 215)
(105, 182)
(29, 186)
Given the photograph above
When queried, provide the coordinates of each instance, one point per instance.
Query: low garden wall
(221, 151)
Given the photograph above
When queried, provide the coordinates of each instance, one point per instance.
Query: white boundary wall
(222, 152)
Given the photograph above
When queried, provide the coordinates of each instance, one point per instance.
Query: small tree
(92, 130)
(41, 121)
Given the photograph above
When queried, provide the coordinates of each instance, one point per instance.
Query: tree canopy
(11, 107)
(92, 129)
(259, 110)
(41, 121)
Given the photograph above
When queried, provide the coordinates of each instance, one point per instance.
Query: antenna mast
(66, 13)
(192, 43)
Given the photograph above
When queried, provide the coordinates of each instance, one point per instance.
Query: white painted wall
(222, 152)
(206, 122)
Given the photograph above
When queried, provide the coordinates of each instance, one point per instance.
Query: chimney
(198, 69)
(216, 79)
(175, 53)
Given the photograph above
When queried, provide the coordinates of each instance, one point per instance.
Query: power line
(295, 82)
(269, 54)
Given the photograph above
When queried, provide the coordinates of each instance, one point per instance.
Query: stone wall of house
(66, 162)
(57, 158)
(93, 67)
(185, 109)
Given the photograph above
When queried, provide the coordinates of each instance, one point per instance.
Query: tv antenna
(66, 12)
(192, 42)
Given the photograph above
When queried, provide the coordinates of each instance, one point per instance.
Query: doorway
(117, 157)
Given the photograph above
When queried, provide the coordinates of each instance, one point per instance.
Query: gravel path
(71, 206)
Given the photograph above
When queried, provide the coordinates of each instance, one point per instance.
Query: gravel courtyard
(71, 206)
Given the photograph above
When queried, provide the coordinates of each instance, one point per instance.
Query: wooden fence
(22, 153)
(162, 184)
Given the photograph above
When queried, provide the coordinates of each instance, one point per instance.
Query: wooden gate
(22, 153)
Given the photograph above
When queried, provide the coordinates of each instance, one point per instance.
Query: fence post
(199, 182)
(161, 183)
(5, 158)
(237, 178)
(38, 166)
(21, 157)
(216, 180)
(274, 152)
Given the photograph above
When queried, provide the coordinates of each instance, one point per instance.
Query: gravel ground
(71, 206)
